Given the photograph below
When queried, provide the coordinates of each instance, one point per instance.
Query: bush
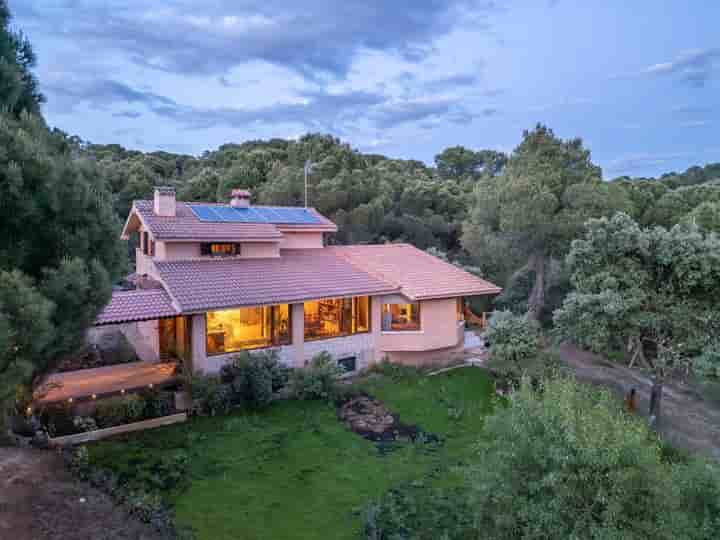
(158, 403)
(59, 420)
(568, 463)
(120, 410)
(417, 512)
(210, 396)
(85, 423)
(513, 338)
(318, 380)
(254, 378)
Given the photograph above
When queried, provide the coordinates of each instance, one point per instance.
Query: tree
(549, 189)
(565, 462)
(513, 338)
(652, 292)
(18, 85)
(459, 162)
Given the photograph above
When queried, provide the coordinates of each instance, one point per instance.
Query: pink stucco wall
(173, 251)
(301, 240)
(260, 250)
(438, 329)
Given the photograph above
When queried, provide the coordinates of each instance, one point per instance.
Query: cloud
(209, 38)
(127, 114)
(634, 162)
(693, 66)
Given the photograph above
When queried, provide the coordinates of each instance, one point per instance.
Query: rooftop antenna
(309, 166)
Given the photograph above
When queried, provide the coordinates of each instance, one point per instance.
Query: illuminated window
(460, 309)
(219, 250)
(401, 317)
(337, 317)
(248, 328)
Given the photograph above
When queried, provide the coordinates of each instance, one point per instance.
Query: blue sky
(638, 80)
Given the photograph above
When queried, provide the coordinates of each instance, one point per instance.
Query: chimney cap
(240, 193)
(165, 189)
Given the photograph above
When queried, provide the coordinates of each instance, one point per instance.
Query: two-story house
(216, 279)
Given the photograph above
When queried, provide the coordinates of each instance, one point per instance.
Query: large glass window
(401, 317)
(337, 317)
(248, 328)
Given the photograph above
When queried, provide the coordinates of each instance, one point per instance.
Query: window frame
(353, 319)
(206, 249)
(272, 318)
(392, 330)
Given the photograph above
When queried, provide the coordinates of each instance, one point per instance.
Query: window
(337, 317)
(219, 250)
(401, 317)
(248, 328)
(147, 244)
(460, 309)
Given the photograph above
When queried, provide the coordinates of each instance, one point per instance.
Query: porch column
(198, 343)
(376, 326)
(298, 334)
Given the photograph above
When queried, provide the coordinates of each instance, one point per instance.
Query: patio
(104, 381)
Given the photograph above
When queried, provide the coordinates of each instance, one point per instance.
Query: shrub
(120, 410)
(254, 377)
(318, 380)
(210, 396)
(158, 403)
(513, 338)
(58, 420)
(570, 447)
(85, 423)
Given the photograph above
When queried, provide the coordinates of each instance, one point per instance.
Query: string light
(70, 400)
(94, 396)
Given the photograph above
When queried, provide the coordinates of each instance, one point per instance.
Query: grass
(295, 471)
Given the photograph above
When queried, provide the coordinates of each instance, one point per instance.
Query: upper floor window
(219, 250)
(401, 317)
(337, 317)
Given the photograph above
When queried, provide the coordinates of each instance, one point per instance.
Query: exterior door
(168, 342)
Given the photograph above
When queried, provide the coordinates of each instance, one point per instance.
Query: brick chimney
(240, 198)
(164, 204)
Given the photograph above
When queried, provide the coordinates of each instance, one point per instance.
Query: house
(215, 279)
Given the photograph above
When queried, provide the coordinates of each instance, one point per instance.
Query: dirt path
(40, 500)
(688, 421)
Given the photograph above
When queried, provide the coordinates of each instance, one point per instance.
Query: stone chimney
(164, 204)
(240, 198)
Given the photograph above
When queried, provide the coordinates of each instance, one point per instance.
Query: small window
(349, 363)
(401, 317)
(145, 241)
(460, 309)
(219, 250)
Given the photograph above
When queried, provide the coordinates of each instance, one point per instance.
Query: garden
(292, 468)
(401, 453)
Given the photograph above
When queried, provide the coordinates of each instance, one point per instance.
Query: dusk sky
(639, 81)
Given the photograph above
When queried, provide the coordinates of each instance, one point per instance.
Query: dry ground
(40, 500)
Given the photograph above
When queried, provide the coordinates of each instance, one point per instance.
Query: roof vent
(240, 198)
(164, 203)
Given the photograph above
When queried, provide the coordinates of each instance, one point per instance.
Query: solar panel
(255, 214)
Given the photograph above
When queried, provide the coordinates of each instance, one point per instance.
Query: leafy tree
(706, 216)
(513, 338)
(18, 85)
(535, 209)
(651, 292)
(460, 162)
(566, 463)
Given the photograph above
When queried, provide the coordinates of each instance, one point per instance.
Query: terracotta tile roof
(298, 275)
(419, 275)
(137, 305)
(186, 226)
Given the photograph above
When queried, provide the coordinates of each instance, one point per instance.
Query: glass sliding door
(334, 317)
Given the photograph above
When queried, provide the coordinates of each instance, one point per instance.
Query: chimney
(240, 198)
(164, 204)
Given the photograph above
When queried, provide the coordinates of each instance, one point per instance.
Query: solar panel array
(263, 214)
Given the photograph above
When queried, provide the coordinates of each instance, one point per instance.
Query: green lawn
(295, 471)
